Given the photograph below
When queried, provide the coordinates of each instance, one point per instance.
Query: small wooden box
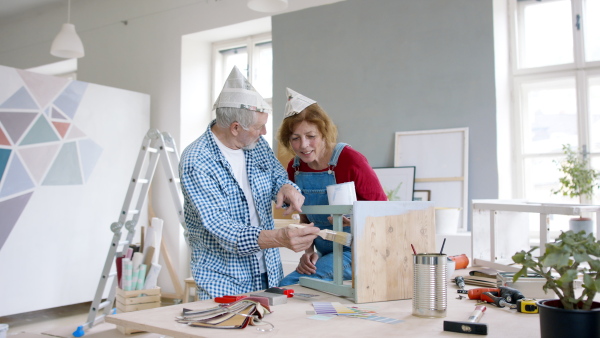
(128, 301)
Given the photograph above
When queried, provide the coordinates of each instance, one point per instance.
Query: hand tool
(492, 298)
(527, 305)
(471, 326)
(281, 291)
(341, 237)
(228, 299)
(476, 293)
(289, 292)
(460, 281)
(511, 295)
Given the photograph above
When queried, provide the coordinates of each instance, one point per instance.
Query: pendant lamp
(268, 5)
(67, 43)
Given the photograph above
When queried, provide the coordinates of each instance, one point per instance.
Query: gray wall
(378, 67)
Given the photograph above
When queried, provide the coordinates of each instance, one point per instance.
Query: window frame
(219, 74)
(579, 69)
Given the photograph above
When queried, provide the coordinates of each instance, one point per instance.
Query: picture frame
(422, 195)
(397, 182)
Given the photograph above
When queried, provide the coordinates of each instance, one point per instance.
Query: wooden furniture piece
(291, 320)
(382, 233)
(190, 284)
(501, 228)
(136, 300)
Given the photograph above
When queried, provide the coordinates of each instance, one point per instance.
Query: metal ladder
(153, 146)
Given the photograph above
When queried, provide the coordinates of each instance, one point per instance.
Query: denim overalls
(313, 186)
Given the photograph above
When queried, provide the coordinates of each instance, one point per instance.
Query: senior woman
(308, 133)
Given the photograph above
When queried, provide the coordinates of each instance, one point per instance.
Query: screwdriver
(489, 297)
(460, 281)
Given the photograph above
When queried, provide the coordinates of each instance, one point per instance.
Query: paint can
(3, 330)
(430, 294)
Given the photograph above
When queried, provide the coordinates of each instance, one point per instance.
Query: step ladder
(156, 147)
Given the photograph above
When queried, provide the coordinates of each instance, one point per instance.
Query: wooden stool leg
(186, 295)
(189, 283)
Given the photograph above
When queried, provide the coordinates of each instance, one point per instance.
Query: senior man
(230, 178)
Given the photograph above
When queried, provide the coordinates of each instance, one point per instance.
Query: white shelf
(501, 228)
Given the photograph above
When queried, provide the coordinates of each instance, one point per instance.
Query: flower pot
(557, 322)
(581, 223)
(447, 220)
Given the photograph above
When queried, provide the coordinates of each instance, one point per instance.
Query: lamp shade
(268, 5)
(67, 43)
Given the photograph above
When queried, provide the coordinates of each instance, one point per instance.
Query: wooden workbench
(291, 320)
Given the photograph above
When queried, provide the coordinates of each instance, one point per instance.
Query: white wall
(143, 55)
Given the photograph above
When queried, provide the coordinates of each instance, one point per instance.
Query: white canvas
(69, 177)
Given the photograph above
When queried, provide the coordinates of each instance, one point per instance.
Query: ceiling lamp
(67, 43)
(268, 5)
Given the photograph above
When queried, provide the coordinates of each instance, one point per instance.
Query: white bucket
(3, 330)
(447, 220)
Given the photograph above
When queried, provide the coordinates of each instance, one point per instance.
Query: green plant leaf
(555, 259)
(589, 283)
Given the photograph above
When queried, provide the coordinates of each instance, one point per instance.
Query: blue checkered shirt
(223, 243)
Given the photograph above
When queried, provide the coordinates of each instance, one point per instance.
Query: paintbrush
(341, 237)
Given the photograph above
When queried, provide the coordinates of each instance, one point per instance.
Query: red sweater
(352, 166)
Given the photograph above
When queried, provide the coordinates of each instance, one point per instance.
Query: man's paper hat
(296, 103)
(237, 92)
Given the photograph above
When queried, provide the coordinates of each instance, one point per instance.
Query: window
(253, 56)
(556, 89)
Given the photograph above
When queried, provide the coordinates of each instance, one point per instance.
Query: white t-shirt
(237, 160)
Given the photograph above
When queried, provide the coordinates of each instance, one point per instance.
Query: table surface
(291, 319)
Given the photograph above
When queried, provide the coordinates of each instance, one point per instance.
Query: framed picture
(398, 182)
(422, 195)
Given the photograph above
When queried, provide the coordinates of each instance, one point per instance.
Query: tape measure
(527, 305)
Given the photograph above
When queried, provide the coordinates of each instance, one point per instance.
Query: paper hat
(296, 103)
(237, 92)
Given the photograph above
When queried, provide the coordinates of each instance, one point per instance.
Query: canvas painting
(398, 182)
(67, 152)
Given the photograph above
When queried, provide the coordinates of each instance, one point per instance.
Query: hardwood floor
(39, 322)
(43, 320)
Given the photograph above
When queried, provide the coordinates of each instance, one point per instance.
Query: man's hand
(294, 239)
(307, 263)
(291, 196)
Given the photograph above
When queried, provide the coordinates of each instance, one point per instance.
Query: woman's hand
(307, 263)
(345, 220)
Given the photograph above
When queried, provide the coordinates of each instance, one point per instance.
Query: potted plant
(572, 254)
(578, 180)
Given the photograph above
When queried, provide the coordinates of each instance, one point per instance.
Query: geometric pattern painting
(40, 145)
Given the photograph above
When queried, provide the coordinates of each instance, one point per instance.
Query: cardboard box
(128, 301)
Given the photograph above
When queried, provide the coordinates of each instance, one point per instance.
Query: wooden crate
(128, 301)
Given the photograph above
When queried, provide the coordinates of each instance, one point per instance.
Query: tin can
(430, 293)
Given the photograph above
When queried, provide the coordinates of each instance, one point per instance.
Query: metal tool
(493, 298)
(476, 293)
(471, 326)
(510, 295)
(460, 281)
(526, 305)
